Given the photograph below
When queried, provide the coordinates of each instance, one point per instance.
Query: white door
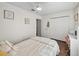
(60, 27)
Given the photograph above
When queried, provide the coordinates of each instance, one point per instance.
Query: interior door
(38, 27)
(60, 27)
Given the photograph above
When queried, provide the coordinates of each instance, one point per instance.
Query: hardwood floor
(64, 49)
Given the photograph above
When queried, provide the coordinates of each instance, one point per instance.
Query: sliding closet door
(58, 27)
(61, 27)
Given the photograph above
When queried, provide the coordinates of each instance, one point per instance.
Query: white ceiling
(47, 7)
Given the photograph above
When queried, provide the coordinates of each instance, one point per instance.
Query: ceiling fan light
(39, 8)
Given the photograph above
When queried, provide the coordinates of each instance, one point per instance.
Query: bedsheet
(37, 46)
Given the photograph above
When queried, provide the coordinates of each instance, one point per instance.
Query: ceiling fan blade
(33, 9)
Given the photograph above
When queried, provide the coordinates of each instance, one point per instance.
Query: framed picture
(8, 14)
(76, 17)
(27, 21)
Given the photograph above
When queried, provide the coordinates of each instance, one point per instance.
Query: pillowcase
(6, 46)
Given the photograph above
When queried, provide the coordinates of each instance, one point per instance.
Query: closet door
(60, 27)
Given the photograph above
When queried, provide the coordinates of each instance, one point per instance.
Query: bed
(37, 46)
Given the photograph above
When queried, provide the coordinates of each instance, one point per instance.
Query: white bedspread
(37, 46)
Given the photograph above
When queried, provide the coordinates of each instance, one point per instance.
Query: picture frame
(76, 17)
(8, 14)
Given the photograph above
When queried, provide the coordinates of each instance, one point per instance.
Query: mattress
(37, 46)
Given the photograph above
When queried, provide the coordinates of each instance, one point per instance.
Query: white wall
(78, 31)
(16, 30)
(55, 30)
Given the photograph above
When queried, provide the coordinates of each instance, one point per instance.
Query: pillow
(6, 46)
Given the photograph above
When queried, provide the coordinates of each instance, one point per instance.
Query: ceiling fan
(36, 7)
